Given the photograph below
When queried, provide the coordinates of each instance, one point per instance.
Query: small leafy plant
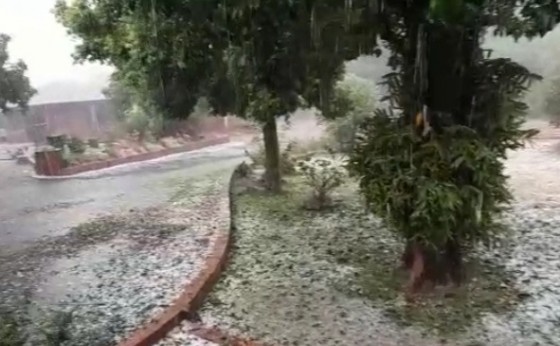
(56, 329)
(353, 102)
(57, 141)
(93, 142)
(323, 175)
(137, 121)
(287, 162)
(11, 333)
(76, 145)
(244, 170)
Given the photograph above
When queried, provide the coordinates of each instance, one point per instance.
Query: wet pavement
(31, 209)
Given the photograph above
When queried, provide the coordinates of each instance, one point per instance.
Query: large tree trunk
(272, 159)
(429, 266)
(454, 261)
(447, 98)
(407, 257)
(444, 85)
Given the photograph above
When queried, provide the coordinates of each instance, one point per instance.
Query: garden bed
(95, 159)
(299, 277)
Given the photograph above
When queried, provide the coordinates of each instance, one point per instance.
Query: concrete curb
(218, 336)
(194, 292)
(215, 334)
(78, 170)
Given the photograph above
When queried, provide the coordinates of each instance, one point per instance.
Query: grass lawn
(299, 277)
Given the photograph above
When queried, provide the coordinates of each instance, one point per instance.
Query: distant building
(83, 119)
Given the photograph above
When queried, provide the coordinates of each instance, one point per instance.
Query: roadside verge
(196, 290)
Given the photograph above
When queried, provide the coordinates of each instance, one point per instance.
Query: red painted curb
(93, 166)
(218, 336)
(193, 294)
(215, 334)
(191, 298)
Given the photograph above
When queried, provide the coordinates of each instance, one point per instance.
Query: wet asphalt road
(31, 209)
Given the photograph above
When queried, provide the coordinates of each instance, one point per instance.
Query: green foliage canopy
(256, 58)
(121, 97)
(163, 50)
(15, 87)
(431, 165)
(287, 54)
(353, 101)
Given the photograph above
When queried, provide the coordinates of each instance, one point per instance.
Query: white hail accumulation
(114, 287)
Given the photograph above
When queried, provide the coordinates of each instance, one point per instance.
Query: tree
(352, 102)
(15, 88)
(120, 96)
(431, 166)
(258, 59)
(132, 108)
(164, 51)
(283, 55)
(552, 102)
(137, 121)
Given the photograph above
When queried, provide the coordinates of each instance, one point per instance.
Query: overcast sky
(44, 46)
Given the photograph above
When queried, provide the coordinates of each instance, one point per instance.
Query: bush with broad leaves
(287, 161)
(323, 175)
(353, 102)
(11, 332)
(76, 145)
(137, 121)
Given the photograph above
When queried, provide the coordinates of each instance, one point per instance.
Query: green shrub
(111, 151)
(287, 162)
(56, 329)
(137, 121)
(243, 170)
(311, 147)
(57, 141)
(51, 329)
(11, 333)
(323, 175)
(76, 145)
(93, 143)
(156, 126)
(201, 109)
(353, 102)
(420, 187)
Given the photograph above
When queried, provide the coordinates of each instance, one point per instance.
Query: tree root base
(428, 268)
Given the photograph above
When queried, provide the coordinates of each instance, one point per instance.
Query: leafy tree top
(164, 50)
(178, 50)
(287, 53)
(15, 88)
(431, 166)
